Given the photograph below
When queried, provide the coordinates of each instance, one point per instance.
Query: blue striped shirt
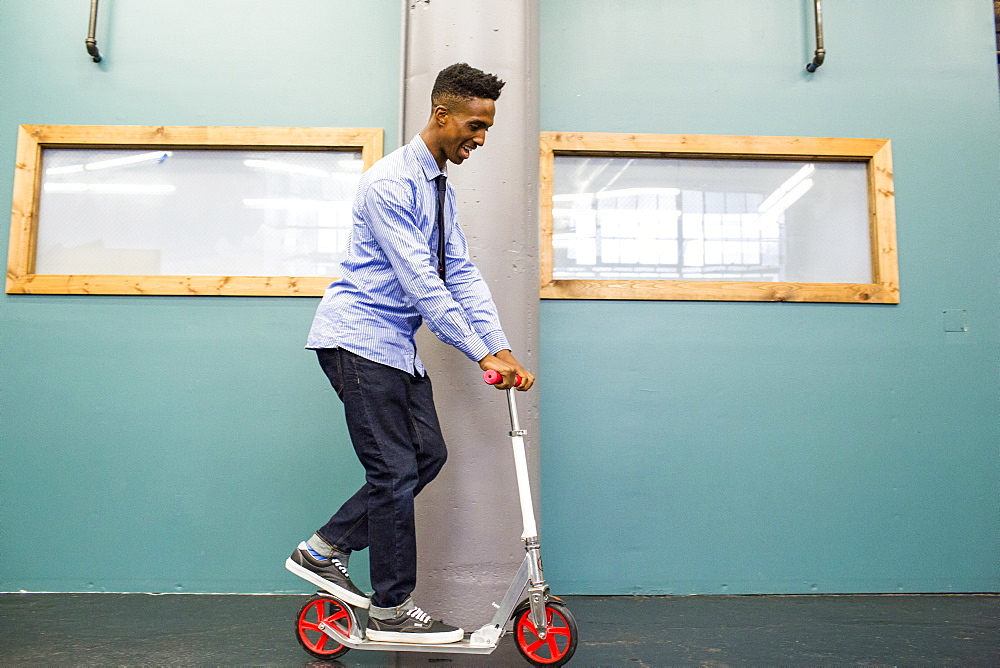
(389, 283)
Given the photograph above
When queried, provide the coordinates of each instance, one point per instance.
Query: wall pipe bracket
(820, 54)
(91, 40)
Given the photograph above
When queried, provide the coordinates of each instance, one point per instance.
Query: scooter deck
(464, 646)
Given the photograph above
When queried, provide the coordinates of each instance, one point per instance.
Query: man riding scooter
(407, 264)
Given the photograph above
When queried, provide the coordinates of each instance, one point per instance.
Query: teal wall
(185, 444)
(161, 443)
(732, 447)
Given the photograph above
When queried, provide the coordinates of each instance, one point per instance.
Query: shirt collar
(426, 160)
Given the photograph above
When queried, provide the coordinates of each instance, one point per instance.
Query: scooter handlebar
(492, 377)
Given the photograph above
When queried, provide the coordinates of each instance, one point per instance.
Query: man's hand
(507, 366)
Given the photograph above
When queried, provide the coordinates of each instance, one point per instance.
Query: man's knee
(432, 461)
(438, 459)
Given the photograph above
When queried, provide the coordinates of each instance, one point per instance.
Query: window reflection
(195, 211)
(723, 220)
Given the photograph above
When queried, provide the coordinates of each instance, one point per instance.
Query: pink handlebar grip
(492, 377)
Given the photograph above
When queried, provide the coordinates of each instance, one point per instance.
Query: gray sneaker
(413, 626)
(327, 573)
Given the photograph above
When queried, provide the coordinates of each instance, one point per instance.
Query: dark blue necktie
(441, 188)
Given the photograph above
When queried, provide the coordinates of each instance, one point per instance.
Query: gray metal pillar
(468, 523)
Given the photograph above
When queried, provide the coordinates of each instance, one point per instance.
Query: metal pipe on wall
(91, 40)
(468, 527)
(820, 54)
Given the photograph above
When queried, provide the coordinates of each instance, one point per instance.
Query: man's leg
(390, 415)
(347, 530)
(323, 560)
(397, 437)
(404, 621)
(374, 398)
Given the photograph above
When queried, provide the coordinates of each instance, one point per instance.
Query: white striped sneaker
(327, 573)
(413, 626)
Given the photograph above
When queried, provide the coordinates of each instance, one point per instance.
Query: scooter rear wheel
(559, 643)
(318, 609)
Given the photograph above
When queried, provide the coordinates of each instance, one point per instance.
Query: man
(407, 264)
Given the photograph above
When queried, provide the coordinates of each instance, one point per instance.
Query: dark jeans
(397, 437)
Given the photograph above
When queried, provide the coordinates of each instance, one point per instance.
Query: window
(183, 210)
(996, 20)
(717, 218)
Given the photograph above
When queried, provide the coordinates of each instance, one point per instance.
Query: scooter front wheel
(558, 645)
(317, 610)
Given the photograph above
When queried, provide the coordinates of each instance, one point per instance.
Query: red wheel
(319, 609)
(559, 643)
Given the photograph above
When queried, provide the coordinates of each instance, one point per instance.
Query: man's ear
(440, 114)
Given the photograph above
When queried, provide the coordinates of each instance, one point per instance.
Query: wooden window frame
(33, 139)
(876, 153)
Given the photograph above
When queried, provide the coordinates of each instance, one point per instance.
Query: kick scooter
(543, 626)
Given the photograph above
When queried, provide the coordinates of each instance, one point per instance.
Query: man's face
(465, 126)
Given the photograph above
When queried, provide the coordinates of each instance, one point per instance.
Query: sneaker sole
(442, 638)
(347, 595)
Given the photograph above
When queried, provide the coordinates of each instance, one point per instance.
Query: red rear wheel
(319, 609)
(558, 645)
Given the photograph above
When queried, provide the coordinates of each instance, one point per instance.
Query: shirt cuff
(496, 341)
(474, 348)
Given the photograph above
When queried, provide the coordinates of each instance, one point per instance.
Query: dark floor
(172, 630)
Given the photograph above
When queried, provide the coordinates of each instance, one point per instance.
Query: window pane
(720, 220)
(195, 212)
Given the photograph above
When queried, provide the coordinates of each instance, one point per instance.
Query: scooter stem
(536, 588)
(521, 469)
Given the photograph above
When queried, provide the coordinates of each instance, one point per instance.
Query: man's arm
(389, 214)
(470, 290)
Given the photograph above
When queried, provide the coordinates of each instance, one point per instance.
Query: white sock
(323, 549)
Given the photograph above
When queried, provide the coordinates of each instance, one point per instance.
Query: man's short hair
(464, 82)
